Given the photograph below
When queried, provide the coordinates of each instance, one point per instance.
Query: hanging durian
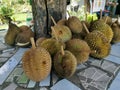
(64, 64)
(74, 24)
(36, 63)
(23, 38)
(13, 31)
(80, 49)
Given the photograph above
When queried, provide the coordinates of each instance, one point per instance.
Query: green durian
(98, 42)
(13, 31)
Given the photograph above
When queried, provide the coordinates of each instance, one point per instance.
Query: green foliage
(21, 1)
(5, 13)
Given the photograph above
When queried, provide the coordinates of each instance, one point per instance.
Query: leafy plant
(5, 13)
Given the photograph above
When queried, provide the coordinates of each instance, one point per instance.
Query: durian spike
(32, 42)
(106, 19)
(100, 13)
(53, 30)
(62, 50)
(86, 28)
(53, 20)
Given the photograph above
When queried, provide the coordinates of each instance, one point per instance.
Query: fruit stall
(61, 52)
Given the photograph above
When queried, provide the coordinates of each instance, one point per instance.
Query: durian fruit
(39, 41)
(74, 24)
(24, 28)
(23, 38)
(64, 63)
(107, 20)
(11, 34)
(63, 33)
(62, 22)
(79, 48)
(101, 26)
(98, 42)
(116, 30)
(52, 45)
(36, 63)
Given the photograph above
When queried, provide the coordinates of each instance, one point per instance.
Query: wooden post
(42, 11)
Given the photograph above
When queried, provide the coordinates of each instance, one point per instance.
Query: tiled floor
(93, 75)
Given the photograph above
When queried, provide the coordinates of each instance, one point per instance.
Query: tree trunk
(42, 11)
(87, 5)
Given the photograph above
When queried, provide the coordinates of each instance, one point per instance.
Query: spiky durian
(107, 20)
(62, 22)
(74, 24)
(23, 38)
(39, 40)
(65, 64)
(99, 43)
(101, 26)
(36, 63)
(79, 48)
(11, 34)
(116, 30)
(62, 32)
(52, 45)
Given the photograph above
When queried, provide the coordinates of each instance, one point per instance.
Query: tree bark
(87, 5)
(42, 11)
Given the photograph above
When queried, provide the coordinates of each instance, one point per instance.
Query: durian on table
(79, 48)
(12, 32)
(116, 31)
(36, 63)
(64, 63)
(23, 37)
(101, 26)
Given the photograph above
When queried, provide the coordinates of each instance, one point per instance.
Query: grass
(19, 18)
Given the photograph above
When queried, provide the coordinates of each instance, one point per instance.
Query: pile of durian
(18, 35)
(72, 42)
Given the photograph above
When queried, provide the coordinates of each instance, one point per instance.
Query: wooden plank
(9, 66)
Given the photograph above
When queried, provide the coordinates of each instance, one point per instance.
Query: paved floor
(93, 75)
